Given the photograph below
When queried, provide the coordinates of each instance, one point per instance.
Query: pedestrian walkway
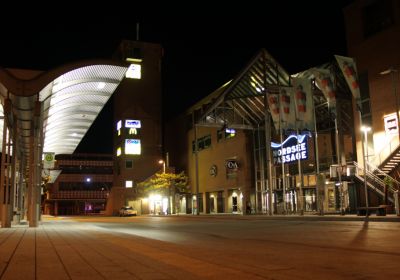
(64, 248)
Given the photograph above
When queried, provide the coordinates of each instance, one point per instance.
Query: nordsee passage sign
(294, 148)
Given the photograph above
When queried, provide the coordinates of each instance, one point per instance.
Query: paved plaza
(204, 247)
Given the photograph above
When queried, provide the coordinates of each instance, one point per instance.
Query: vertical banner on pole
(273, 104)
(288, 117)
(349, 70)
(324, 80)
(303, 103)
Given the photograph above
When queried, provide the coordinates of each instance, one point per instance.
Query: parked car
(127, 211)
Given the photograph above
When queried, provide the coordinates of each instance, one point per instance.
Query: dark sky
(205, 45)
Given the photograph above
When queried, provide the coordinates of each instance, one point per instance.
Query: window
(128, 184)
(377, 16)
(203, 143)
(128, 163)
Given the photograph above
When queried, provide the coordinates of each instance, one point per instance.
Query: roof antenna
(137, 31)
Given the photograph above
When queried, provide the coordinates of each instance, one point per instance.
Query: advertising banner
(303, 100)
(349, 70)
(273, 103)
(324, 80)
(288, 117)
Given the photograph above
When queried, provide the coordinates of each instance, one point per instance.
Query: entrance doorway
(234, 204)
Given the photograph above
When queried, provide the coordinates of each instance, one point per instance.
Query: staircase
(375, 180)
(390, 164)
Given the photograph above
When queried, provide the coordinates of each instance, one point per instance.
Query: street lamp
(393, 71)
(365, 129)
(163, 163)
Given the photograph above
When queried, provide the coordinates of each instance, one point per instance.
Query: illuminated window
(128, 184)
(119, 151)
(132, 147)
(119, 132)
(134, 71)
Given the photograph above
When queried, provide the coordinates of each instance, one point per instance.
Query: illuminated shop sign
(133, 124)
(391, 124)
(134, 71)
(119, 125)
(132, 131)
(132, 147)
(294, 148)
(230, 132)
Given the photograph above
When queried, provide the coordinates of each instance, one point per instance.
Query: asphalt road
(230, 247)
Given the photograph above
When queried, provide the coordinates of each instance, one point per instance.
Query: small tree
(166, 184)
(388, 181)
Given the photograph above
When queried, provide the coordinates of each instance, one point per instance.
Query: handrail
(371, 178)
(389, 147)
(374, 168)
(370, 175)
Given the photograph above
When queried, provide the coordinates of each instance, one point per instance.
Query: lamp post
(392, 71)
(161, 161)
(365, 129)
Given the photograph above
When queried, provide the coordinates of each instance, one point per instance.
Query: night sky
(204, 45)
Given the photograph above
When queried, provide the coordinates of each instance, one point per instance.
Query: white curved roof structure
(72, 102)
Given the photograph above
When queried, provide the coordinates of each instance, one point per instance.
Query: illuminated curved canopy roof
(72, 102)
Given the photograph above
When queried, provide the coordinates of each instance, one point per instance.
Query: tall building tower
(137, 119)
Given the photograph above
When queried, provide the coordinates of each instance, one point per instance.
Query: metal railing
(375, 170)
(374, 182)
(389, 147)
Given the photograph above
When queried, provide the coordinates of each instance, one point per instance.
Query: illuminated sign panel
(134, 71)
(294, 148)
(391, 124)
(132, 147)
(119, 125)
(132, 131)
(133, 124)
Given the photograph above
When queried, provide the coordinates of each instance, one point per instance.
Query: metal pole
(255, 173)
(267, 119)
(365, 173)
(283, 169)
(339, 167)
(301, 183)
(196, 155)
(316, 140)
